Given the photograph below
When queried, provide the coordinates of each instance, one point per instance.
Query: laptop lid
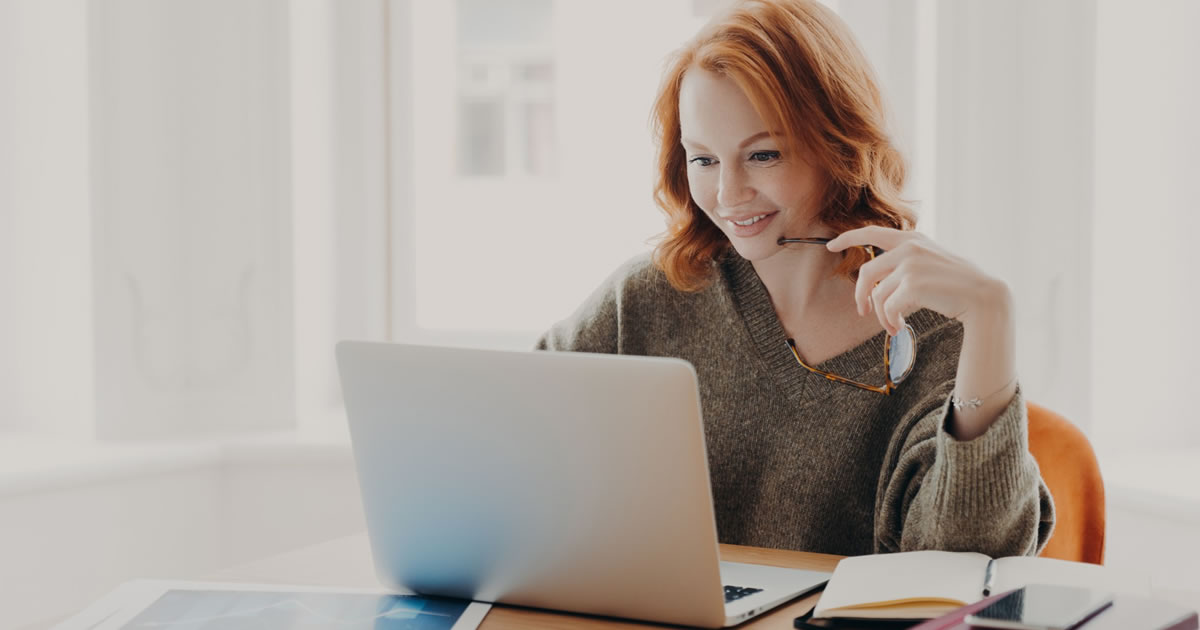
(556, 480)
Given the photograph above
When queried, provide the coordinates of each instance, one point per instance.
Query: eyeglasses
(899, 351)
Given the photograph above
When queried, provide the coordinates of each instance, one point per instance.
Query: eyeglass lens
(901, 355)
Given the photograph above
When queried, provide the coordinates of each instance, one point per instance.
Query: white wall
(900, 38)
(1014, 175)
(1155, 537)
(46, 381)
(193, 209)
(279, 499)
(209, 509)
(191, 192)
(340, 221)
(1147, 219)
(64, 548)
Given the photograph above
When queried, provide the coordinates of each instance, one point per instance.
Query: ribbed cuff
(985, 474)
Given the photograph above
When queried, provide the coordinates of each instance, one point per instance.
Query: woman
(789, 265)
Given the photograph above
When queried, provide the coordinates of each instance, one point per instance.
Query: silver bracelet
(973, 403)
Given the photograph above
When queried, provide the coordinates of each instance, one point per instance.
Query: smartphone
(1041, 607)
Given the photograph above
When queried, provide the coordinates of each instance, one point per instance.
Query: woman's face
(738, 174)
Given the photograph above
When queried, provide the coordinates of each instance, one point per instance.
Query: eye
(764, 156)
(701, 161)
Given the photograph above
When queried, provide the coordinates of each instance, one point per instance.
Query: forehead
(714, 111)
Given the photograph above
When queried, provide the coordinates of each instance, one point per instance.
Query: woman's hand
(914, 272)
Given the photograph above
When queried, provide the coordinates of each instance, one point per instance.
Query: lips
(750, 221)
(757, 223)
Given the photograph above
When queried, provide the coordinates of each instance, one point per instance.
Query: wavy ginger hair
(800, 67)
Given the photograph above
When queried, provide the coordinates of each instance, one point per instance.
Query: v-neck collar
(860, 363)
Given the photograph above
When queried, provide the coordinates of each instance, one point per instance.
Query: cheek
(703, 190)
(789, 187)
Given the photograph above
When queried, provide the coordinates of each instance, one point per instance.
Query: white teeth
(750, 221)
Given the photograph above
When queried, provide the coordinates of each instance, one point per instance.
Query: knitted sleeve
(984, 495)
(593, 327)
(624, 315)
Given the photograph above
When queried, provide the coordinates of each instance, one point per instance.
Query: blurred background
(198, 198)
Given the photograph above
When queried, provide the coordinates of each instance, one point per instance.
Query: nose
(734, 189)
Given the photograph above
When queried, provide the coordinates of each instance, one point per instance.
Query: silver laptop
(558, 480)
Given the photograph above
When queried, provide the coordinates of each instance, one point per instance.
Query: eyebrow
(752, 139)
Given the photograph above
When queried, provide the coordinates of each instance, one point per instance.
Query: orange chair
(1072, 474)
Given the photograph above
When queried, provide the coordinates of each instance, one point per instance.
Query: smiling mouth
(751, 220)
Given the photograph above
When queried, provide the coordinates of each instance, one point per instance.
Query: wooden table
(347, 562)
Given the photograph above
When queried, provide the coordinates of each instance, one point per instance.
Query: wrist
(992, 309)
(987, 361)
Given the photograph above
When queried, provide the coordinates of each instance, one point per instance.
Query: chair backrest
(1069, 467)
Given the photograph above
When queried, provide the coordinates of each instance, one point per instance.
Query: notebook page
(904, 577)
(1018, 571)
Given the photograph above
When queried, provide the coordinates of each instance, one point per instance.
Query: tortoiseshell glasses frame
(902, 346)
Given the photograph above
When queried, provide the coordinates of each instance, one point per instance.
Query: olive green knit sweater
(802, 462)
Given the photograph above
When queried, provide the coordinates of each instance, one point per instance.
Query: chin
(759, 248)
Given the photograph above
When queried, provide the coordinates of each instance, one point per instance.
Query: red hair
(801, 69)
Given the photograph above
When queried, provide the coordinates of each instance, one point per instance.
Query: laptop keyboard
(733, 593)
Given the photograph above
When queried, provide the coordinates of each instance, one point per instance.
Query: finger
(877, 235)
(877, 303)
(880, 295)
(868, 276)
(900, 302)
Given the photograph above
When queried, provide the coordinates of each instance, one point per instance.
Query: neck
(801, 278)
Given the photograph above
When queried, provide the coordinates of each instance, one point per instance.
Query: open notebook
(928, 584)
